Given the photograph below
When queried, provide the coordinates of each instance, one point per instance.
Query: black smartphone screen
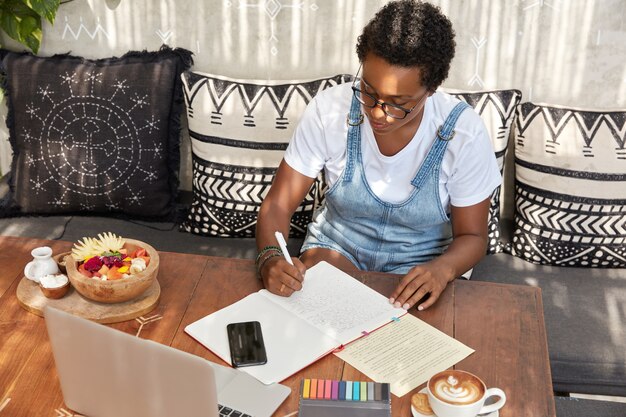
(246, 344)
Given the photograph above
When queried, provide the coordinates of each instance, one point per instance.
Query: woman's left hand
(421, 280)
(469, 243)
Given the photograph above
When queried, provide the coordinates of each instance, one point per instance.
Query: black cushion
(585, 315)
(94, 136)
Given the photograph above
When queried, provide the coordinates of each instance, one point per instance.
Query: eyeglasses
(392, 110)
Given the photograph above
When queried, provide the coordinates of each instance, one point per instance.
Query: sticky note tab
(370, 391)
(320, 389)
(338, 349)
(356, 391)
(348, 390)
(313, 389)
(327, 389)
(385, 392)
(364, 333)
(395, 319)
(342, 390)
(363, 391)
(334, 392)
(378, 391)
(306, 387)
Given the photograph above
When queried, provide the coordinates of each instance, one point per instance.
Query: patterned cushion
(94, 136)
(497, 110)
(239, 131)
(570, 187)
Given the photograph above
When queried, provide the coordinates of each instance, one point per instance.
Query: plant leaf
(44, 8)
(30, 31)
(21, 23)
(10, 24)
(18, 9)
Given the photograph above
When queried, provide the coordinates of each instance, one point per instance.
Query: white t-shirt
(469, 171)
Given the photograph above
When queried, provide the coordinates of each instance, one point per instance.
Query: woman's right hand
(281, 278)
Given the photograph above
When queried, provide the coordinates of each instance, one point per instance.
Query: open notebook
(331, 310)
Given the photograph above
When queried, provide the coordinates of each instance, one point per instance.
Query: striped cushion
(570, 187)
(497, 110)
(239, 131)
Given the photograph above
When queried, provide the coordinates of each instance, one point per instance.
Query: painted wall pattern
(569, 53)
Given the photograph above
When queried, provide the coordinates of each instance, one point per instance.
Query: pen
(283, 246)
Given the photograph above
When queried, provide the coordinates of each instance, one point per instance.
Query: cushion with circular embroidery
(97, 136)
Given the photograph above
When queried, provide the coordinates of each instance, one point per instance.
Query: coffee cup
(456, 393)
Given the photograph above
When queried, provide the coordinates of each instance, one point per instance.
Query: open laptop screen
(106, 373)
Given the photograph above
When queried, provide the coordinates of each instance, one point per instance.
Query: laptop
(108, 373)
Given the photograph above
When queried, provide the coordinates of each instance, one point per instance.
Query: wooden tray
(32, 299)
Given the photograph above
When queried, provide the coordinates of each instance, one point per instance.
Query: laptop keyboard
(229, 412)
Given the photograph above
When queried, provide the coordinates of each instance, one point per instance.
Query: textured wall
(568, 52)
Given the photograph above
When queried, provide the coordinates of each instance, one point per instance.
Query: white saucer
(418, 414)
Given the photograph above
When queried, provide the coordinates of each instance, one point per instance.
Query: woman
(410, 170)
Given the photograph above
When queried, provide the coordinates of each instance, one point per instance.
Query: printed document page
(405, 353)
(338, 304)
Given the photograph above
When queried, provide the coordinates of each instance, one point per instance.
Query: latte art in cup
(456, 393)
(457, 387)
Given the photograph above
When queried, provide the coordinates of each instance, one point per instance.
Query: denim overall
(380, 236)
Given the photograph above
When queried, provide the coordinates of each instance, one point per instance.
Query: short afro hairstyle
(410, 33)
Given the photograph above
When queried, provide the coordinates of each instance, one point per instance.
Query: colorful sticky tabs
(327, 391)
(344, 398)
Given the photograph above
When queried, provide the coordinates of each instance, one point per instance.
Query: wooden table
(503, 323)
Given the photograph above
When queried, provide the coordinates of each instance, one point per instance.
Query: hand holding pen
(283, 275)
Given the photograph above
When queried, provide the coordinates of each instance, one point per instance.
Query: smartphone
(246, 344)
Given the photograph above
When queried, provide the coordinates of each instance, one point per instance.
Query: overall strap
(445, 133)
(354, 120)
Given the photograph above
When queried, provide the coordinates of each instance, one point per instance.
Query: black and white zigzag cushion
(570, 187)
(497, 110)
(239, 131)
